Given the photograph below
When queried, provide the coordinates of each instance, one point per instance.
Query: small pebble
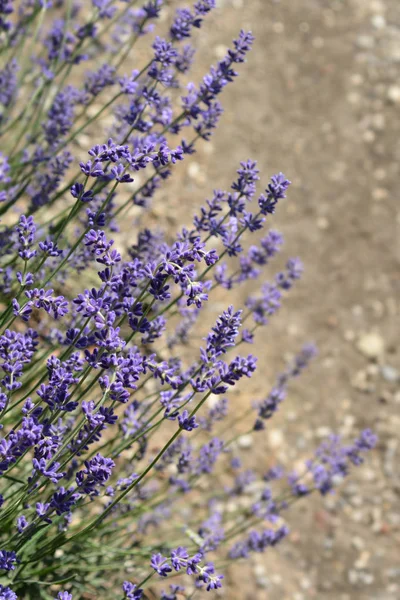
(262, 582)
(369, 136)
(323, 432)
(322, 223)
(245, 441)
(393, 94)
(371, 345)
(365, 42)
(390, 374)
(275, 438)
(372, 371)
(349, 335)
(362, 561)
(305, 583)
(220, 51)
(195, 172)
(361, 382)
(367, 578)
(393, 588)
(353, 576)
(380, 194)
(378, 21)
(357, 79)
(369, 475)
(378, 121)
(393, 573)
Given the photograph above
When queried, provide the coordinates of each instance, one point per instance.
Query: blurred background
(319, 99)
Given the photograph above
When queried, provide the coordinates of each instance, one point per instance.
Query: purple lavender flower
(174, 590)
(63, 596)
(294, 271)
(224, 333)
(44, 184)
(6, 8)
(212, 532)
(187, 422)
(96, 473)
(184, 59)
(274, 473)
(77, 191)
(60, 117)
(6, 593)
(333, 460)
(152, 8)
(183, 23)
(105, 10)
(50, 471)
(42, 509)
(275, 191)
(258, 542)
(22, 523)
(209, 577)
(179, 558)
(8, 560)
(62, 501)
(4, 168)
(16, 350)
(8, 81)
(160, 564)
(96, 81)
(57, 306)
(50, 248)
(270, 405)
(202, 7)
(58, 42)
(213, 83)
(132, 592)
(26, 230)
(208, 456)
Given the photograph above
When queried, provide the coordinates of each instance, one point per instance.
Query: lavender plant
(114, 410)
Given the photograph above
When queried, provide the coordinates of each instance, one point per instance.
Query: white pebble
(322, 223)
(393, 94)
(390, 374)
(220, 51)
(323, 432)
(365, 42)
(245, 441)
(275, 438)
(380, 194)
(378, 21)
(371, 345)
(194, 170)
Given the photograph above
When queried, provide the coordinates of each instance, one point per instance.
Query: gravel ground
(320, 100)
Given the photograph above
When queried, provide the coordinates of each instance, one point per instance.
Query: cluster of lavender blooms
(111, 409)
